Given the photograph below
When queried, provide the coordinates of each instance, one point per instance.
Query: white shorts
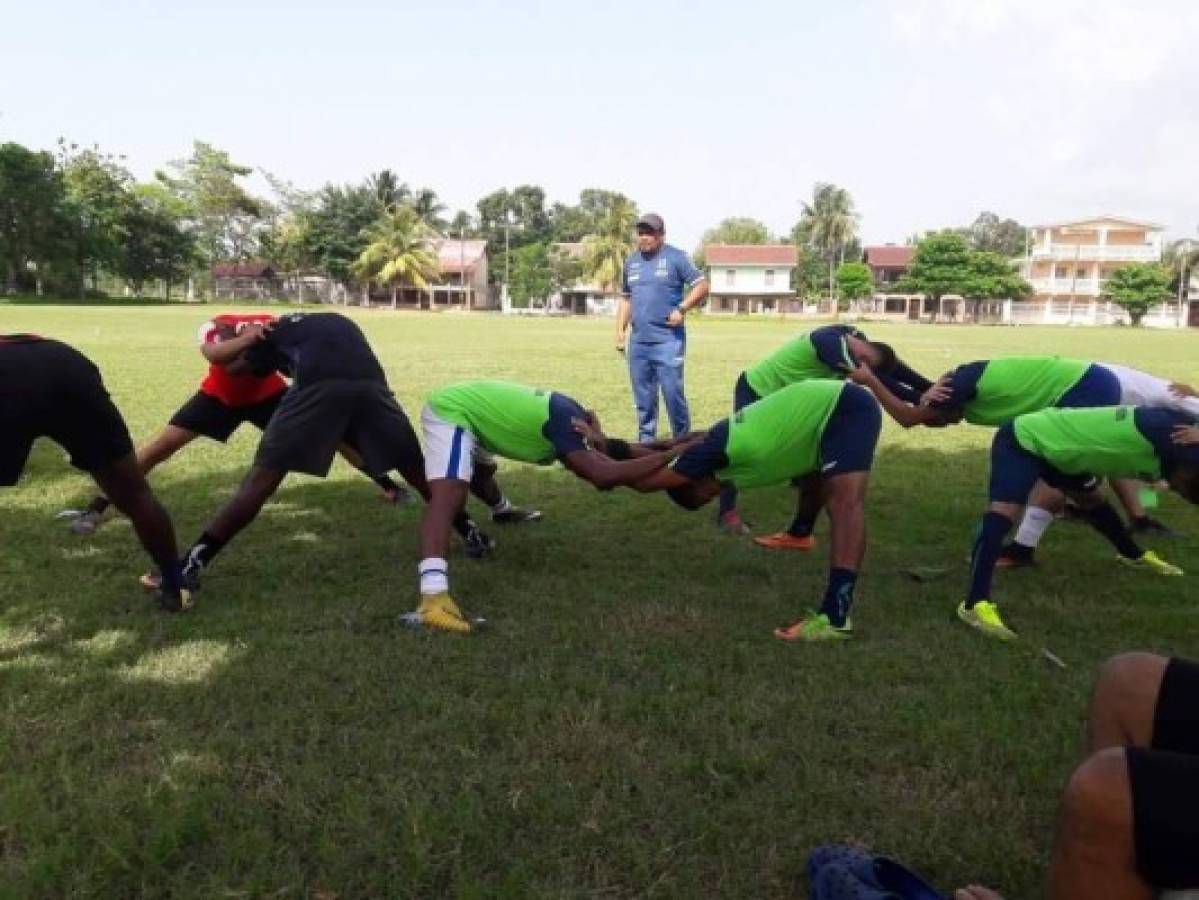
(450, 450)
(1139, 388)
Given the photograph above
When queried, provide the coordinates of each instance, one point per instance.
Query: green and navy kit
(512, 420)
(820, 353)
(654, 284)
(994, 392)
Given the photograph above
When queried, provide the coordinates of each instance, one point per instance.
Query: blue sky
(928, 111)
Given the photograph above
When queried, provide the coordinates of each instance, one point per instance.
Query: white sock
(1033, 525)
(434, 576)
(502, 505)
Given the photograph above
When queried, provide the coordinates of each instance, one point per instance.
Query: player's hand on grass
(1178, 389)
(1185, 434)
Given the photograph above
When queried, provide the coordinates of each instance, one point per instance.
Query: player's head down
(1183, 478)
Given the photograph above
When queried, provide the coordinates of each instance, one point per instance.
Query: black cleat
(515, 515)
(479, 544)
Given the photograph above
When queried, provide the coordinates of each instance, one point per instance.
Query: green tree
(991, 234)
(828, 224)
(532, 274)
(566, 269)
(388, 189)
(335, 229)
(96, 206)
(398, 252)
(511, 219)
(156, 245)
(940, 266)
(1137, 287)
(855, 281)
(605, 252)
(734, 230)
(31, 215)
(222, 215)
(993, 277)
(430, 209)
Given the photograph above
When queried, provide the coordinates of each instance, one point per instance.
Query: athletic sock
(98, 505)
(802, 525)
(987, 546)
(386, 483)
(838, 596)
(728, 501)
(1108, 523)
(434, 576)
(172, 576)
(1032, 527)
(200, 555)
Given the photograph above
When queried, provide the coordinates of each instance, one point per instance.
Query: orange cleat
(785, 541)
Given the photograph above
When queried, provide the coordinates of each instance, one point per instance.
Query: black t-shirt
(316, 347)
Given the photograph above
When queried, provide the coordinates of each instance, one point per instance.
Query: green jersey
(778, 437)
(507, 419)
(821, 353)
(1104, 441)
(1017, 385)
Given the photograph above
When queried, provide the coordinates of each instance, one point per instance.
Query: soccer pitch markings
(628, 725)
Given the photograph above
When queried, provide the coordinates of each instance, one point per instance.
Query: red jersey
(237, 390)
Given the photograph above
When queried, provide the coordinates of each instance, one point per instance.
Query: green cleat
(984, 616)
(1154, 563)
(815, 627)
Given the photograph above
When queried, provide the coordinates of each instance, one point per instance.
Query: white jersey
(1139, 388)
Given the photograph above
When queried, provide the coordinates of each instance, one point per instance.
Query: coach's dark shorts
(48, 389)
(312, 420)
(206, 415)
(1097, 387)
(1014, 471)
(851, 435)
(1165, 784)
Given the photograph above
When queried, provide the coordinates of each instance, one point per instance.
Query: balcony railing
(1095, 253)
(1082, 287)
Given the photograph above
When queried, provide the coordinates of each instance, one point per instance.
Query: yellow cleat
(984, 616)
(1154, 563)
(439, 612)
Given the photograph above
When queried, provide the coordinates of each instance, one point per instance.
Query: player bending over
(1071, 450)
(48, 389)
(465, 426)
(832, 351)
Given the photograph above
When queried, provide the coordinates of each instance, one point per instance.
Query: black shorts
(206, 415)
(1165, 784)
(851, 435)
(312, 420)
(48, 389)
(1015, 470)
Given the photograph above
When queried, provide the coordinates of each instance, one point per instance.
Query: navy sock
(987, 546)
(838, 596)
(1108, 523)
(200, 555)
(801, 525)
(172, 576)
(728, 500)
(385, 482)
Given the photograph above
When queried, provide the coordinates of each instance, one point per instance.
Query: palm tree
(399, 253)
(605, 252)
(429, 208)
(388, 189)
(829, 222)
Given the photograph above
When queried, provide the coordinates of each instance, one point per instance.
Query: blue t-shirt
(654, 284)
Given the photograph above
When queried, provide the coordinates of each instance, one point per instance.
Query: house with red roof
(750, 278)
(888, 264)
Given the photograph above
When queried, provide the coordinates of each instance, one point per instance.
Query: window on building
(770, 278)
(1083, 272)
(730, 276)
(1061, 272)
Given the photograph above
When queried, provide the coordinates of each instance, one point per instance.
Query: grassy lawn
(628, 728)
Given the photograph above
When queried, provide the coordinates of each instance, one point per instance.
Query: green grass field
(627, 729)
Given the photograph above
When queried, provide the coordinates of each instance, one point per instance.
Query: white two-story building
(749, 278)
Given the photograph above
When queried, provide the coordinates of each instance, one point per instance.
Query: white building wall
(749, 279)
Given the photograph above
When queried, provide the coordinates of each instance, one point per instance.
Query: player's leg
(1128, 492)
(727, 516)
(484, 486)
(645, 389)
(392, 492)
(1125, 700)
(1102, 516)
(1044, 503)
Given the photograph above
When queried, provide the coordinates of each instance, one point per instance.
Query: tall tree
(734, 230)
(398, 252)
(388, 189)
(827, 224)
(532, 274)
(605, 252)
(430, 209)
(991, 234)
(336, 227)
(855, 281)
(1137, 287)
(944, 264)
(97, 201)
(31, 201)
(156, 245)
(223, 216)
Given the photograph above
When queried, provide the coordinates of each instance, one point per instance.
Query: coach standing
(654, 278)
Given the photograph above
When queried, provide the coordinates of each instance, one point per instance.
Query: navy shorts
(1014, 471)
(1165, 784)
(851, 435)
(743, 394)
(1097, 387)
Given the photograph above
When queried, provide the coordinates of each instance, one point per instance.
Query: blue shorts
(1097, 387)
(1014, 471)
(743, 394)
(851, 434)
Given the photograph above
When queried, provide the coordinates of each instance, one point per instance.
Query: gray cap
(652, 220)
